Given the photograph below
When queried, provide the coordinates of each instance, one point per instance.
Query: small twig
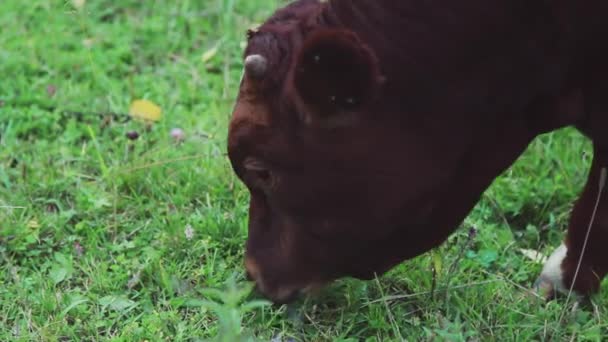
(423, 293)
(470, 237)
(118, 117)
(388, 310)
(522, 288)
(434, 281)
(467, 245)
(160, 163)
(11, 207)
(131, 233)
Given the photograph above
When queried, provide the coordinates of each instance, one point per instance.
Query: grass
(106, 238)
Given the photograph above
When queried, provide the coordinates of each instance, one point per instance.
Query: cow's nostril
(249, 276)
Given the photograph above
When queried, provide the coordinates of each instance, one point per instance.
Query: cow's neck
(431, 50)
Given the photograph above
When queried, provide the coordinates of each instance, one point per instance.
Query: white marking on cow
(552, 278)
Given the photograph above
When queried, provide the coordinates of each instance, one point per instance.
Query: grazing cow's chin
(279, 293)
(285, 281)
(285, 294)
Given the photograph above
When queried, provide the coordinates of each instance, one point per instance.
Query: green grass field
(107, 238)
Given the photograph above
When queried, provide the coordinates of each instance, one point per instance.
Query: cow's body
(367, 130)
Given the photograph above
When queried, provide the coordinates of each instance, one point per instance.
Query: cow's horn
(256, 66)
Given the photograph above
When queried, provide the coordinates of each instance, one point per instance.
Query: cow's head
(346, 177)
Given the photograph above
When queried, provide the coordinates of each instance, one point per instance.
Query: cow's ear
(335, 72)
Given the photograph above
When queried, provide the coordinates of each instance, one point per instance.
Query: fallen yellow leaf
(78, 4)
(145, 110)
(206, 57)
(533, 255)
(33, 224)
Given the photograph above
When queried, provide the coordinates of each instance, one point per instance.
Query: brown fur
(447, 95)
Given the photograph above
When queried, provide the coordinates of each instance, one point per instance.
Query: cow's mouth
(287, 295)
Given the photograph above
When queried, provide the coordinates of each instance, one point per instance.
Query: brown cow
(366, 130)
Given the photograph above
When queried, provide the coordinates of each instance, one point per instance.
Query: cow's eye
(258, 172)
